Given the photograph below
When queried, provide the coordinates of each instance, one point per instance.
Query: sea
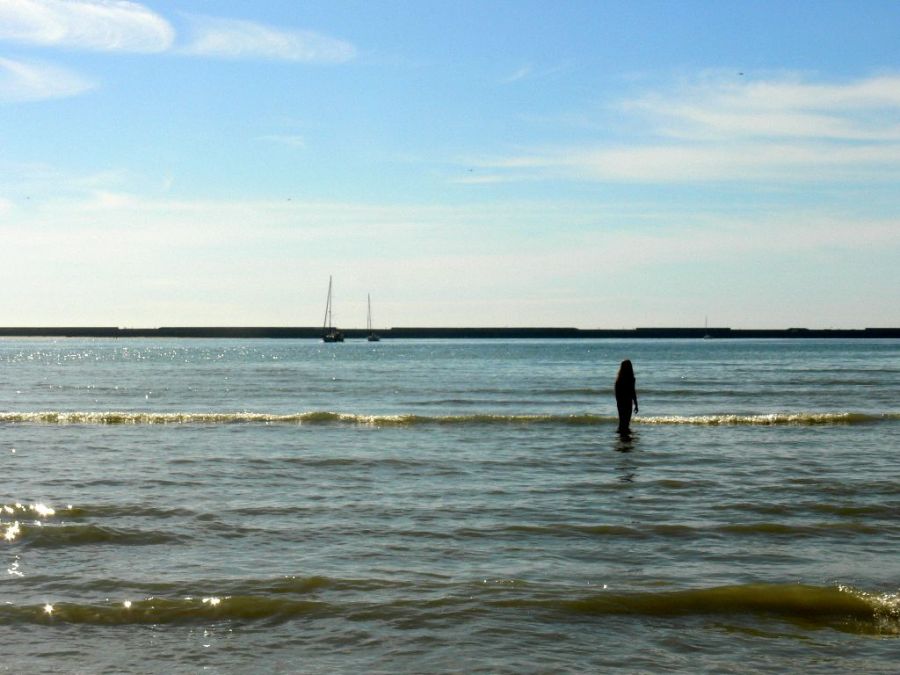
(448, 506)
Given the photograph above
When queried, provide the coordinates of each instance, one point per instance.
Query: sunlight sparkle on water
(12, 531)
(43, 510)
(14, 568)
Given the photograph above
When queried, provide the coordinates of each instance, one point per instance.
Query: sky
(596, 164)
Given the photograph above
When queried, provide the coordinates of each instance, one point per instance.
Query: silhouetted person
(625, 395)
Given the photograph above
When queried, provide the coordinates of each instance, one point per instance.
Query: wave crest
(409, 420)
(801, 419)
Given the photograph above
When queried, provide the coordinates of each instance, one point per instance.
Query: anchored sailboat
(373, 336)
(329, 332)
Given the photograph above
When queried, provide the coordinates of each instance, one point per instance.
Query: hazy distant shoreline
(456, 333)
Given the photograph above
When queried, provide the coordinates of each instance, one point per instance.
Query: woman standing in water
(625, 395)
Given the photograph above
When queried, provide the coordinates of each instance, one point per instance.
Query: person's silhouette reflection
(625, 442)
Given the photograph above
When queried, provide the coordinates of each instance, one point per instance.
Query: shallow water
(410, 506)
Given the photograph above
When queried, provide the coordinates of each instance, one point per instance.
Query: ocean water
(233, 506)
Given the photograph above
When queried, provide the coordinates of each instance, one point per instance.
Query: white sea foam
(401, 420)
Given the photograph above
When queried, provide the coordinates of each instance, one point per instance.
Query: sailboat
(329, 332)
(373, 336)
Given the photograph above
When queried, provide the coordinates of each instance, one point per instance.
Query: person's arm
(635, 401)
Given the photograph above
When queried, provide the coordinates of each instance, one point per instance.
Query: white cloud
(482, 179)
(716, 130)
(103, 25)
(232, 38)
(29, 81)
(720, 109)
(792, 162)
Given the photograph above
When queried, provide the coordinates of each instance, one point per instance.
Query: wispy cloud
(520, 74)
(792, 162)
(124, 26)
(104, 25)
(22, 81)
(717, 108)
(529, 72)
(482, 179)
(723, 130)
(121, 25)
(235, 39)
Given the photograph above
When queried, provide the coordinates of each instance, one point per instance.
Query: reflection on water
(627, 473)
(625, 441)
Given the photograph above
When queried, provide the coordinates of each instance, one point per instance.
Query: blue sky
(590, 164)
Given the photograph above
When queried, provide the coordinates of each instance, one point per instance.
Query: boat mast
(326, 323)
(369, 315)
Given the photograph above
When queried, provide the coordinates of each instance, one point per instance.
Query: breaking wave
(409, 420)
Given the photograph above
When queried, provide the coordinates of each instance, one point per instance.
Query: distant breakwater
(443, 333)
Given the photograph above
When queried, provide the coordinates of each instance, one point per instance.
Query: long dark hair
(626, 372)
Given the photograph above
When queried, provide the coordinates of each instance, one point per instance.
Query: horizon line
(446, 332)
